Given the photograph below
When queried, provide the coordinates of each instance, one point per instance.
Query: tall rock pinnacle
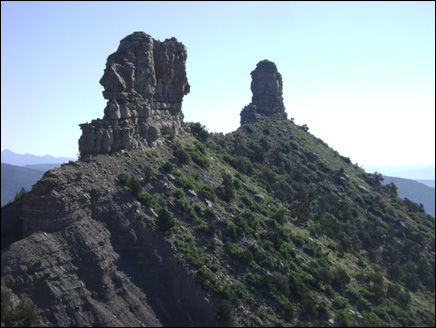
(144, 82)
(267, 100)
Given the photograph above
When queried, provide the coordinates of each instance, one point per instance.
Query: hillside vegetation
(415, 191)
(299, 233)
(274, 226)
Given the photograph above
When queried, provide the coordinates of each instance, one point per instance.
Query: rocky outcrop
(267, 100)
(82, 254)
(144, 82)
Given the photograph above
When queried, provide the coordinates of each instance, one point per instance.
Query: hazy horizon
(359, 74)
(413, 172)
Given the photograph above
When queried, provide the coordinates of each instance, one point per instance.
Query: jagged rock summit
(144, 82)
(267, 100)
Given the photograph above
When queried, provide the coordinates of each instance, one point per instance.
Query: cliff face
(84, 256)
(267, 100)
(144, 82)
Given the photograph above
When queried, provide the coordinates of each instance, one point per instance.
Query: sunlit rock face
(267, 100)
(144, 83)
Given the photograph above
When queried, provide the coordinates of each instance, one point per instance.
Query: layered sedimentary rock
(144, 82)
(81, 255)
(267, 100)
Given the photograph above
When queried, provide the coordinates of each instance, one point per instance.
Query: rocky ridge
(270, 227)
(83, 254)
(144, 82)
(267, 100)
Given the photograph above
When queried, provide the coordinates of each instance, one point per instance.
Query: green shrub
(182, 156)
(227, 188)
(20, 316)
(148, 174)
(165, 221)
(199, 158)
(343, 319)
(323, 308)
(280, 215)
(134, 185)
(256, 280)
(281, 282)
(19, 194)
(242, 255)
(186, 183)
(208, 276)
(148, 200)
(224, 312)
(179, 193)
(234, 291)
(339, 302)
(200, 146)
(171, 168)
(309, 306)
(340, 278)
(211, 228)
(199, 131)
(231, 230)
(212, 245)
(131, 182)
(289, 311)
(170, 134)
(124, 177)
(208, 192)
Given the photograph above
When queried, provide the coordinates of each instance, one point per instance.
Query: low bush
(165, 221)
(224, 313)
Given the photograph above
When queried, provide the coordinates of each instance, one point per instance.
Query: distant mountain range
(414, 172)
(430, 183)
(14, 178)
(9, 157)
(24, 170)
(414, 191)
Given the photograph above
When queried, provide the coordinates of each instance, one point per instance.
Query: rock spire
(267, 100)
(144, 83)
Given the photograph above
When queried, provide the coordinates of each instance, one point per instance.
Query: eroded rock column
(267, 89)
(144, 83)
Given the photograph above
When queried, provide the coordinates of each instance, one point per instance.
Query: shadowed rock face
(267, 100)
(144, 82)
(79, 254)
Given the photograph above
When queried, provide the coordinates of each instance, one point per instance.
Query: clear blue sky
(361, 75)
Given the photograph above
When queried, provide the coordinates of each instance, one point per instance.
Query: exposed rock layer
(144, 82)
(83, 255)
(267, 100)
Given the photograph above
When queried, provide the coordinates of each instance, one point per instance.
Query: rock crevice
(144, 83)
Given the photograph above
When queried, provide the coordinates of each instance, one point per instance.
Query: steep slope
(86, 247)
(268, 220)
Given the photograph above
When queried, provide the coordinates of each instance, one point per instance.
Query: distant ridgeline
(144, 83)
